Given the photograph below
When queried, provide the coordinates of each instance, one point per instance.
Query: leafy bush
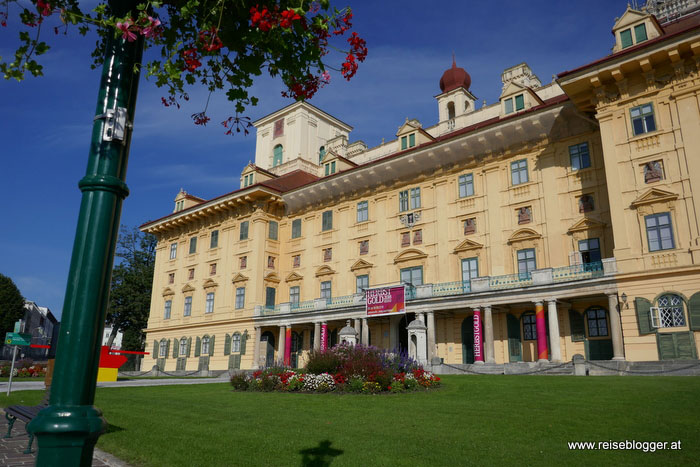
(239, 381)
(328, 361)
(354, 384)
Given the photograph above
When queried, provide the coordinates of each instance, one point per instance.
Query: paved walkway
(12, 449)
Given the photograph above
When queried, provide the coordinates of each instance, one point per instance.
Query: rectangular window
(296, 261)
(411, 140)
(519, 102)
(529, 327)
(412, 276)
(466, 185)
(403, 201)
(190, 274)
(418, 237)
(328, 169)
(643, 119)
(270, 297)
(626, 38)
(362, 211)
(214, 239)
(209, 306)
(659, 231)
(240, 297)
(333, 167)
(327, 221)
(244, 262)
(173, 250)
(508, 105)
(361, 283)
(580, 159)
(470, 226)
(294, 295)
(364, 247)
(415, 198)
(188, 306)
(193, 245)
(212, 269)
(470, 270)
(518, 172)
(296, 228)
(326, 289)
(279, 128)
(526, 262)
(168, 308)
(327, 254)
(640, 33)
(271, 262)
(244, 231)
(171, 278)
(590, 250)
(404, 142)
(272, 231)
(405, 238)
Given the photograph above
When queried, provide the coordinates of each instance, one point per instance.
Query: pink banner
(385, 301)
(324, 337)
(288, 347)
(478, 337)
(542, 352)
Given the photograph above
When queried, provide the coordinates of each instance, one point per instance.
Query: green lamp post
(68, 429)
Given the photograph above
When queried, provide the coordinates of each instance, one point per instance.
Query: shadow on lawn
(112, 428)
(320, 456)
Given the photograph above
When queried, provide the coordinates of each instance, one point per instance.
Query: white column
(356, 323)
(489, 351)
(554, 340)
(317, 336)
(432, 351)
(280, 344)
(365, 331)
(615, 328)
(256, 348)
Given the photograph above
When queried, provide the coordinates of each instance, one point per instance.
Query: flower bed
(24, 371)
(357, 369)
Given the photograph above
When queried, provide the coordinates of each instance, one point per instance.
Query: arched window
(671, 311)
(163, 349)
(529, 327)
(205, 345)
(321, 154)
(277, 155)
(450, 110)
(236, 343)
(183, 347)
(597, 322)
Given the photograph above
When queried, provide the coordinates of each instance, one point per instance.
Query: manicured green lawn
(471, 420)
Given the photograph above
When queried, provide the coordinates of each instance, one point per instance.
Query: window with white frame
(526, 261)
(209, 306)
(659, 231)
(327, 220)
(518, 172)
(168, 309)
(205, 345)
(240, 297)
(173, 250)
(272, 231)
(362, 211)
(597, 321)
(326, 289)
(361, 283)
(163, 348)
(671, 311)
(296, 228)
(183, 347)
(294, 295)
(412, 276)
(236, 343)
(409, 199)
(214, 239)
(466, 185)
(188, 306)
(579, 156)
(643, 119)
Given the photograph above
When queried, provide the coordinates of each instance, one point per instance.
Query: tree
(221, 44)
(132, 279)
(11, 305)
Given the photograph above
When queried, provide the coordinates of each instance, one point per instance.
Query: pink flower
(125, 28)
(153, 28)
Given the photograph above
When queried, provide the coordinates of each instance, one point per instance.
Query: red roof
(670, 30)
(289, 181)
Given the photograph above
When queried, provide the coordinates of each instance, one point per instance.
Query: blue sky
(45, 122)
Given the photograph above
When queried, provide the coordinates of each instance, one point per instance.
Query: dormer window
(330, 168)
(514, 104)
(277, 155)
(179, 205)
(247, 180)
(640, 35)
(408, 141)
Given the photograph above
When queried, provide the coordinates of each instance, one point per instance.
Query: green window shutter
(198, 347)
(155, 350)
(189, 346)
(227, 345)
(578, 327)
(694, 311)
(642, 305)
(167, 349)
(411, 140)
(640, 33)
(684, 345)
(626, 38)
(175, 347)
(237, 362)
(244, 338)
(519, 102)
(211, 346)
(667, 346)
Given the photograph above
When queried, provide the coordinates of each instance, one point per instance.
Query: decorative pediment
(408, 126)
(273, 277)
(187, 288)
(210, 283)
(629, 17)
(361, 264)
(409, 255)
(248, 169)
(523, 235)
(654, 195)
(239, 278)
(324, 271)
(512, 88)
(467, 245)
(585, 224)
(293, 277)
(168, 291)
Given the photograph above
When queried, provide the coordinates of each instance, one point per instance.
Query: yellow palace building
(560, 220)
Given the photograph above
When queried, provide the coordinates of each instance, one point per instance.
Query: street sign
(16, 338)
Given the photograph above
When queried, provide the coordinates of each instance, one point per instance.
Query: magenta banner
(385, 301)
(478, 337)
(324, 337)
